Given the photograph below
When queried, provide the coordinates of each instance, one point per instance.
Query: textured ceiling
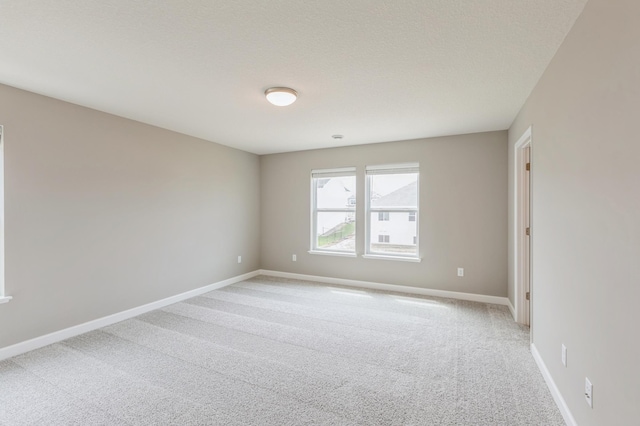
(372, 70)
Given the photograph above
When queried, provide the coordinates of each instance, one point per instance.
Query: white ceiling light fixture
(281, 96)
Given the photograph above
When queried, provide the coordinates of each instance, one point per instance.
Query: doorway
(523, 295)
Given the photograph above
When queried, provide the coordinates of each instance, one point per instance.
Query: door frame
(523, 311)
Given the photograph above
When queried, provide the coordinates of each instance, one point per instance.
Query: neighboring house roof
(322, 182)
(333, 183)
(402, 197)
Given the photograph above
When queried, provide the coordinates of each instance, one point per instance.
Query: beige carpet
(272, 351)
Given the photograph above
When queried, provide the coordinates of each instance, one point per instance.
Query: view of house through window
(392, 210)
(334, 210)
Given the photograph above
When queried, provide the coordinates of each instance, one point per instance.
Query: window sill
(5, 299)
(332, 253)
(400, 258)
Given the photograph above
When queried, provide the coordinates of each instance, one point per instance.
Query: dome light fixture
(281, 96)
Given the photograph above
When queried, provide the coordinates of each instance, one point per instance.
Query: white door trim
(3, 297)
(522, 314)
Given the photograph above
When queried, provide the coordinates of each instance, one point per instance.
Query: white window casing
(392, 209)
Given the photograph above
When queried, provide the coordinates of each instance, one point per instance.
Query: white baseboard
(57, 336)
(512, 309)
(390, 287)
(555, 392)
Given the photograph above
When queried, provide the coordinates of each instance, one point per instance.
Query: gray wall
(586, 212)
(463, 213)
(105, 214)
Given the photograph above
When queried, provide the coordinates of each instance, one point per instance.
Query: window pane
(394, 190)
(336, 192)
(396, 235)
(336, 231)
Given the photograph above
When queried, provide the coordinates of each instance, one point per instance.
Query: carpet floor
(271, 351)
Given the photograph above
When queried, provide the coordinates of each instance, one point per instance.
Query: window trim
(396, 258)
(3, 297)
(390, 169)
(328, 173)
(333, 253)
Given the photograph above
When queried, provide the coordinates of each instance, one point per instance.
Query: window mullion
(393, 209)
(335, 210)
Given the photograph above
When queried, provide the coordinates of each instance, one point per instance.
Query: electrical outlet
(239, 259)
(294, 258)
(588, 392)
(564, 355)
(461, 272)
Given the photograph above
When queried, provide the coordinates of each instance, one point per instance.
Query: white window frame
(390, 169)
(329, 173)
(3, 297)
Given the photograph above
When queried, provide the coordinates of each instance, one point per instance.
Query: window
(333, 210)
(392, 210)
(3, 298)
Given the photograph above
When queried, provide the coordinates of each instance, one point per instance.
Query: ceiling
(371, 70)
